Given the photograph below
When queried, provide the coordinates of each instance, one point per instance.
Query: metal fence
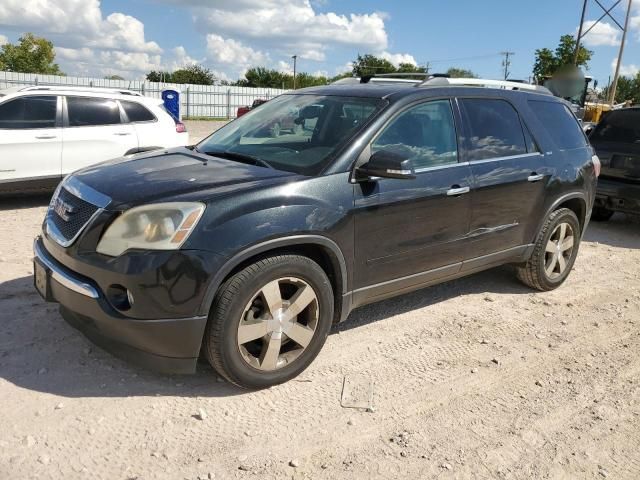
(206, 101)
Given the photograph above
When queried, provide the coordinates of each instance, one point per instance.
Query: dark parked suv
(616, 140)
(246, 249)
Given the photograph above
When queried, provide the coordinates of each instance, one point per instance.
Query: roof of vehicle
(439, 87)
(115, 93)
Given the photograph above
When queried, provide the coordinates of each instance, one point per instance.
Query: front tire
(269, 321)
(555, 252)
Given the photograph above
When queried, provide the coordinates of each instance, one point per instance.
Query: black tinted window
(137, 113)
(619, 126)
(560, 123)
(427, 131)
(29, 112)
(495, 129)
(84, 112)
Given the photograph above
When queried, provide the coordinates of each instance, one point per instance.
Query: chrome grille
(70, 214)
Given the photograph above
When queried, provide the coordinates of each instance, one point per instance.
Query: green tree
(410, 68)
(548, 62)
(30, 55)
(370, 65)
(455, 72)
(113, 77)
(159, 76)
(628, 89)
(193, 74)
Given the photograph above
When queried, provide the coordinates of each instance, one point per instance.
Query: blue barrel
(171, 99)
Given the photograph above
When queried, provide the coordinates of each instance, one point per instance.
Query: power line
(506, 63)
(461, 59)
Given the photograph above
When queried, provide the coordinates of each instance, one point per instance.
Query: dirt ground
(475, 378)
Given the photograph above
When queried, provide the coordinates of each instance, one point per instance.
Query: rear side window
(87, 112)
(560, 124)
(29, 112)
(137, 113)
(495, 129)
(621, 126)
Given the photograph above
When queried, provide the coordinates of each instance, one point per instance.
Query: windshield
(619, 126)
(296, 133)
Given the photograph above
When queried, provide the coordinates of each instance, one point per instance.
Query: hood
(177, 172)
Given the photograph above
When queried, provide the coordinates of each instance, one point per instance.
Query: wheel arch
(574, 201)
(322, 250)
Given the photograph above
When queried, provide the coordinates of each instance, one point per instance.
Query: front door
(30, 141)
(94, 132)
(509, 175)
(409, 232)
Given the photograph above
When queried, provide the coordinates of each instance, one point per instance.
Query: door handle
(534, 177)
(456, 190)
(45, 137)
(122, 134)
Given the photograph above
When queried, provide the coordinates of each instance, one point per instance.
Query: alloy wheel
(278, 323)
(558, 251)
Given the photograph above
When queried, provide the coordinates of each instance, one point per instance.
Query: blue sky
(130, 37)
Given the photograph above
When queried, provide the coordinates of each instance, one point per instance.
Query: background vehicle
(616, 140)
(248, 250)
(48, 132)
(246, 109)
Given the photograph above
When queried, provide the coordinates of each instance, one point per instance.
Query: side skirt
(399, 286)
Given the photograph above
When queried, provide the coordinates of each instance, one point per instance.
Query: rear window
(622, 126)
(495, 129)
(29, 112)
(88, 112)
(560, 124)
(137, 113)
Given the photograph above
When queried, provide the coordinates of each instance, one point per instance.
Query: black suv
(616, 140)
(247, 248)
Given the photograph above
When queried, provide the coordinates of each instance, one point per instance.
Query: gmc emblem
(64, 210)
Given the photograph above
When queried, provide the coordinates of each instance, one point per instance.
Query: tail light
(597, 166)
(180, 127)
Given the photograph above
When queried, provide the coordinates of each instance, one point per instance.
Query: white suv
(48, 132)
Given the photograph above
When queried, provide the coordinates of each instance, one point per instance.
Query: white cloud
(233, 52)
(626, 70)
(3, 40)
(70, 23)
(398, 58)
(603, 34)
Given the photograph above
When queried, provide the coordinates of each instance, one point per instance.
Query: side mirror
(388, 163)
(588, 130)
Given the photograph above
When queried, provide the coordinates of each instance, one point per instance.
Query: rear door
(151, 131)
(94, 131)
(31, 140)
(509, 176)
(617, 143)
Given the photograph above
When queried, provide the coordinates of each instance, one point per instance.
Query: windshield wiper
(240, 157)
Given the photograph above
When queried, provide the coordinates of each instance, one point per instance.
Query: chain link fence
(196, 101)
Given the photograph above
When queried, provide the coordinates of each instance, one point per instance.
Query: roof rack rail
(73, 88)
(482, 82)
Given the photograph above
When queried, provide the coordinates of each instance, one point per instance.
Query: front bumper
(618, 196)
(165, 345)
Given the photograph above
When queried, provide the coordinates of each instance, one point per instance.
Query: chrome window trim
(508, 157)
(441, 167)
(62, 277)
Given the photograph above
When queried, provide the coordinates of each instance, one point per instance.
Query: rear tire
(601, 214)
(269, 321)
(554, 253)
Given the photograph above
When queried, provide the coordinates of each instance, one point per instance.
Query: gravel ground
(199, 129)
(475, 378)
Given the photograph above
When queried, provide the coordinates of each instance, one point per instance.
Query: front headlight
(161, 226)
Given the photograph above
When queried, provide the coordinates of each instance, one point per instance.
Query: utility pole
(295, 61)
(614, 86)
(575, 53)
(506, 63)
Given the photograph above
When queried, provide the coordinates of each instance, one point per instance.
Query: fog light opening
(120, 297)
